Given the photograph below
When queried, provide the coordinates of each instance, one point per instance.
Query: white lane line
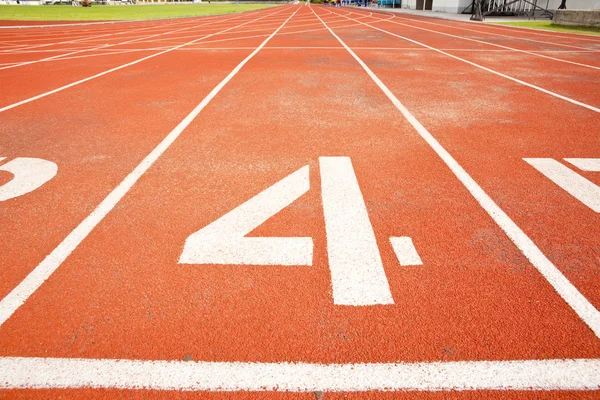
(405, 251)
(268, 28)
(166, 40)
(22, 40)
(498, 34)
(97, 37)
(149, 24)
(108, 53)
(585, 164)
(61, 373)
(105, 46)
(357, 274)
(496, 45)
(531, 51)
(554, 94)
(158, 29)
(224, 241)
(584, 309)
(280, 34)
(166, 47)
(89, 78)
(91, 37)
(576, 185)
(150, 49)
(38, 276)
(570, 36)
(256, 36)
(99, 51)
(72, 24)
(51, 51)
(514, 29)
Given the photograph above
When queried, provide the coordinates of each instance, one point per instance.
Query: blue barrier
(393, 3)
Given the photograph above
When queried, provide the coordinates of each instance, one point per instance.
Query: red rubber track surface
(121, 294)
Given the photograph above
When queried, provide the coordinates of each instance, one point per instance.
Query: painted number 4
(357, 273)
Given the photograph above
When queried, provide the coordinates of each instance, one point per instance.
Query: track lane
(105, 45)
(229, 312)
(98, 133)
(573, 37)
(567, 39)
(174, 27)
(121, 291)
(18, 295)
(524, 42)
(130, 60)
(564, 89)
(485, 141)
(503, 44)
(32, 41)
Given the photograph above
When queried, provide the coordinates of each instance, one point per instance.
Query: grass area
(549, 26)
(121, 12)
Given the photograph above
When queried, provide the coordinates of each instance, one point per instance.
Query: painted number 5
(28, 175)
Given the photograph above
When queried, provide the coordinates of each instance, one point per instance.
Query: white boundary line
(92, 37)
(22, 39)
(485, 32)
(257, 36)
(96, 37)
(108, 52)
(59, 57)
(185, 19)
(20, 51)
(89, 78)
(584, 309)
(62, 57)
(440, 17)
(539, 32)
(101, 54)
(265, 28)
(307, 47)
(551, 93)
(113, 52)
(58, 373)
(495, 45)
(70, 24)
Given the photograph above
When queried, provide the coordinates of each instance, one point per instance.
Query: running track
(420, 199)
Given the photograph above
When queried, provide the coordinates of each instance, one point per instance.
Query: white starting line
(57, 373)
